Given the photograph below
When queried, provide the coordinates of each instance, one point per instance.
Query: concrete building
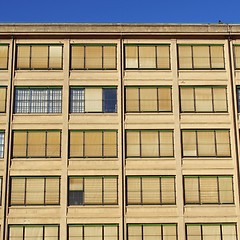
(119, 131)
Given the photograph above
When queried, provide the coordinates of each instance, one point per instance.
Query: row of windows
(104, 56)
(196, 99)
(166, 231)
(104, 143)
(103, 190)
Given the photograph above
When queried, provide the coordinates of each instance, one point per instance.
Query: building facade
(119, 131)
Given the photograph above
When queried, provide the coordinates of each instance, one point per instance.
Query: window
(151, 190)
(219, 231)
(149, 143)
(1, 144)
(238, 98)
(206, 143)
(35, 191)
(37, 232)
(201, 56)
(147, 56)
(237, 56)
(93, 56)
(1, 191)
(4, 48)
(203, 99)
(39, 56)
(36, 143)
(3, 95)
(93, 143)
(93, 190)
(93, 232)
(38, 100)
(149, 99)
(152, 231)
(208, 190)
(93, 100)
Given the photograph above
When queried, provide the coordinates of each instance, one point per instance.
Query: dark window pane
(109, 100)
(75, 198)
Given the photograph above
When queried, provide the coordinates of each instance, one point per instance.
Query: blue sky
(122, 11)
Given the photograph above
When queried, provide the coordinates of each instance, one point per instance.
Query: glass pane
(77, 102)
(209, 190)
(16, 233)
(22, 100)
(93, 57)
(223, 143)
(229, 232)
(109, 100)
(52, 191)
(166, 144)
(134, 232)
(17, 191)
(149, 144)
(191, 190)
(1, 145)
(55, 57)
(93, 144)
(131, 57)
(34, 233)
(164, 99)
(76, 144)
(133, 144)
(206, 143)
(93, 100)
(51, 233)
(3, 92)
(39, 57)
(189, 144)
(151, 190)
(237, 56)
(168, 190)
(110, 232)
(77, 57)
(185, 57)
(53, 144)
(220, 99)
(36, 144)
(3, 57)
(148, 99)
(152, 232)
(163, 57)
(132, 100)
(109, 57)
(110, 191)
(93, 191)
(133, 191)
(194, 232)
(147, 56)
(23, 57)
(217, 56)
(75, 233)
(19, 144)
(226, 190)
(110, 144)
(35, 191)
(187, 99)
(201, 58)
(204, 101)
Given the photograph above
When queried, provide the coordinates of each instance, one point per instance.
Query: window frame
(30, 57)
(142, 225)
(25, 190)
(158, 131)
(199, 190)
(138, 56)
(211, 224)
(84, 143)
(30, 101)
(195, 100)
(139, 99)
(27, 144)
(6, 44)
(192, 56)
(197, 145)
(140, 177)
(84, 99)
(102, 191)
(84, 59)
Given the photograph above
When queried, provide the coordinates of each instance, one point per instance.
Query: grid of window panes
(39, 57)
(36, 144)
(151, 190)
(38, 100)
(208, 190)
(4, 52)
(200, 56)
(93, 56)
(1, 144)
(26, 191)
(152, 231)
(93, 190)
(220, 231)
(203, 99)
(93, 100)
(36, 232)
(93, 232)
(147, 56)
(148, 99)
(206, 143)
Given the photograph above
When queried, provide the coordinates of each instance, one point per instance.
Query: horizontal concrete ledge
(118, 28)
